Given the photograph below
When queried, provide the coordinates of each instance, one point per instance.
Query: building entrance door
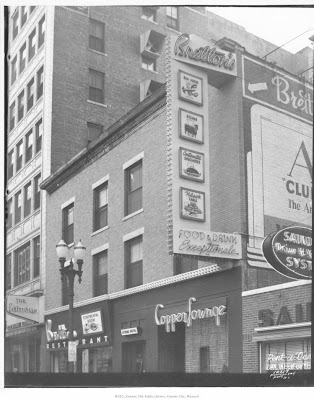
(171, 349)
(133, 356)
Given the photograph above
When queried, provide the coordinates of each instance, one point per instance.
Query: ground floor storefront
(277, 328)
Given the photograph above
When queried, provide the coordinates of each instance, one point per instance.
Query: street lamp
(68, 272)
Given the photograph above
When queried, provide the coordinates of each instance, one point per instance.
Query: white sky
(277, 25)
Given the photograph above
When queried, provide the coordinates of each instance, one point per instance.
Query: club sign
(289, 252)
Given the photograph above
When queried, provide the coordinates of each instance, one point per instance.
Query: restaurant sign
(289, 252)
(207, 244)
(24, 307)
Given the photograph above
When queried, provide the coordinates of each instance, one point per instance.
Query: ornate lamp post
(68, 272)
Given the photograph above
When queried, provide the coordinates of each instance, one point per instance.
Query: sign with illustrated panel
(190, 88)
(92, 322)
(191, 126)
(192, 204)
(191, 164)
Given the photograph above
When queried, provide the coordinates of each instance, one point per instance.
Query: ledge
(133, 214)
(97, 104)
(100, 230)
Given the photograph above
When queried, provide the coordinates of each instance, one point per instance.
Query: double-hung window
(37, 181)
(8, 269)
(96, 86)
(134, 262)
(9, 214)
(30, 93)
(19, 155)
(22, 264)
(18, 207)
(149, 13)
(10, 165)
(134, 188)
(68, 224)
(93, 131)
(39, 133)
(100, 262)
(36, 243)
(28, 146)
(96, 35)
(148, 63)
(12, 115)
(20, 106)
(15, 24)
(23, 15)
(41, 32)
(27, 199)
(31, 45)
(22, 57)
(40, 82)
(13, 70)
(101, 206)
(172, 18)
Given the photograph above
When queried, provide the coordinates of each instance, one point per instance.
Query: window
(18, 207)
(13, 70)
(27, 199)
(68, 224)
(22, 264)
(41, 32)
(15, 24)
(133, 188)
(37, 182)
(30, 93)
(31, 45)
(149, 13)
(36, 243)
(8, 268)
(40, 82)
(100, 273)
(20, 105)
(93, 131)
(172, 17)
(39, 133)
(101, 206)
(204, 359)
(22, 57)
(23, 15)
(9, 214)
(29, 146)
(134, 262)
(31, 9)
(10, 165)
(184, 264)
(96, 35)
(96, 86)
(12, 116)
(148, 63)
(19, 155)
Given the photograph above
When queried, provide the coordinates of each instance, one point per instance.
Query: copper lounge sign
(289, 251)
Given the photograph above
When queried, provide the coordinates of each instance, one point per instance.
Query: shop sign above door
(289, 252)
(24, 307)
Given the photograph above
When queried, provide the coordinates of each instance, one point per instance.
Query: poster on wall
(91, 322)
(191, 126)
(191, 164)
(190, 88)
(192, 204)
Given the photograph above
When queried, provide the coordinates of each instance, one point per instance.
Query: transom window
(96, 86)
(100, 261)
(101, 206)
(134, 262)
(134, 189)
(96, 35)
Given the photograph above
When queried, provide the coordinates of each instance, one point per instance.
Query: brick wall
(150, 139)
(273, 300)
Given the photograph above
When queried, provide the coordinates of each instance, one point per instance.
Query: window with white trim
(30, 93)
(22, 265)
(149, 13)
(172, 17)
(19, 155)
(12, 116)
(28, 146)
(27, 199)
(15, 30)
(96, 86)
(100, 266)
(31, 44)
(18, 207)
(22, 57)
(96, 35)
(13, 70)
(23, 15)
(134, 262)
(101, 206)
(41, 32)
(20, 106)
(39, 133)
(68, 224)
(133, 188)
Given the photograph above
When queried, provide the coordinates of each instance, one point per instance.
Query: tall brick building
(75, 76)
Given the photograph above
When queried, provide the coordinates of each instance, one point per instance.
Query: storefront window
(290, 354)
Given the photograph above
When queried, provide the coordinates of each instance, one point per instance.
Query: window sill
(100, 230)
(97, 104)
(152, 22)
(133, 214)
(149, 70)
(98, 52)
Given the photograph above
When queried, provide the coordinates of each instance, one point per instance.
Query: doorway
(171, 349)
(133, 356)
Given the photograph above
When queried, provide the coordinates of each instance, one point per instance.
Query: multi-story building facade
(74, 72)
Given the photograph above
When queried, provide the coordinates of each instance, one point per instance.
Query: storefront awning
(282, 332)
